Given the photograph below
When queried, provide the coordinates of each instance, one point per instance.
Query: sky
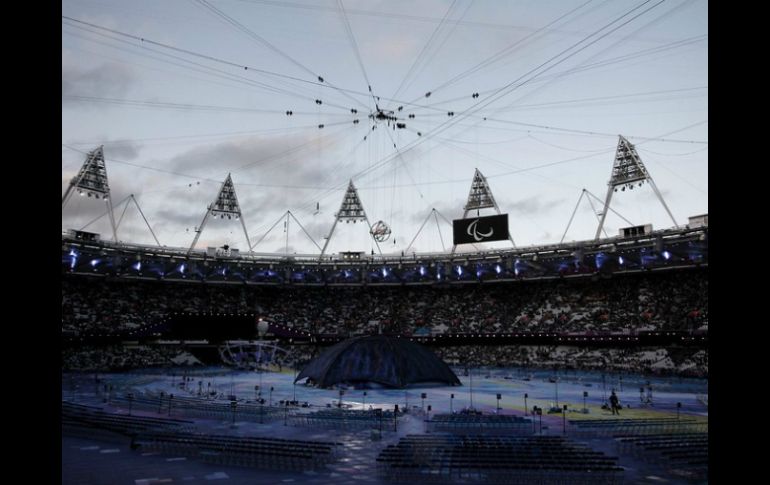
(533, 94)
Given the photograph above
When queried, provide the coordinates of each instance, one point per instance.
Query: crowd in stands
(683, 361)
(661, 301)
(119, 357)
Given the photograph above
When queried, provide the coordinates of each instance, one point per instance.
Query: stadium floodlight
(628, 169)
(226, 204)
(351, 209)
(91, 180)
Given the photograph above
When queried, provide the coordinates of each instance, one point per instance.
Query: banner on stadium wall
(480, 229)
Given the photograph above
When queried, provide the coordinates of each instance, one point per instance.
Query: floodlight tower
(351, 209)
(480, 197)
(91, 180)
(628, 170)
(225, 205)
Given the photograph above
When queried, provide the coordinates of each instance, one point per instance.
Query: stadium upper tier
(674, 300)
(656, 250)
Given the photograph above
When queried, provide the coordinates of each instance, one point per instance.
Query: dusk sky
(183, 92)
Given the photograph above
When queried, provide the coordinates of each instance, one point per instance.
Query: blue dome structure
(385, 361)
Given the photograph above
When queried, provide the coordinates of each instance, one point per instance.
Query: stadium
(417, 319)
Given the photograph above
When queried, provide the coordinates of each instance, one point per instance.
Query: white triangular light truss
(225, 205)
(628, 167)
(351, 208)
(92, 181)
(92, 177)
(627, 171)
(480, 196)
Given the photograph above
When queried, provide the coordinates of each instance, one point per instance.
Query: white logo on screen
(473, 231)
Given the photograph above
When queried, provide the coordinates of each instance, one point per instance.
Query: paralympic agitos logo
(473, 231)
(480, 229)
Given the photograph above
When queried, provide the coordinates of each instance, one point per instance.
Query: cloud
(530, 206)
(122, 150)
(387, 48)
(454, 210)
(174, 216)
(261, 168)
(107, 80)
(268, 156)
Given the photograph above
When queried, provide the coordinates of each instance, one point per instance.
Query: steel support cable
(596, 133)
(609, 208)
(622, 58)
(185, 106)
(237, 82)
(581, 68)
(425, 47)
(179, 174)
(222, 74)
(145, 40)
(352, 39)
(551, 80)
(505, 51)
(272, 47)
(377, 14)
(505, 89)
(549, 179)
(597, 54)
(278, 156)
(324, 189)
(441, 46)
(645, 150)
(313, 143)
